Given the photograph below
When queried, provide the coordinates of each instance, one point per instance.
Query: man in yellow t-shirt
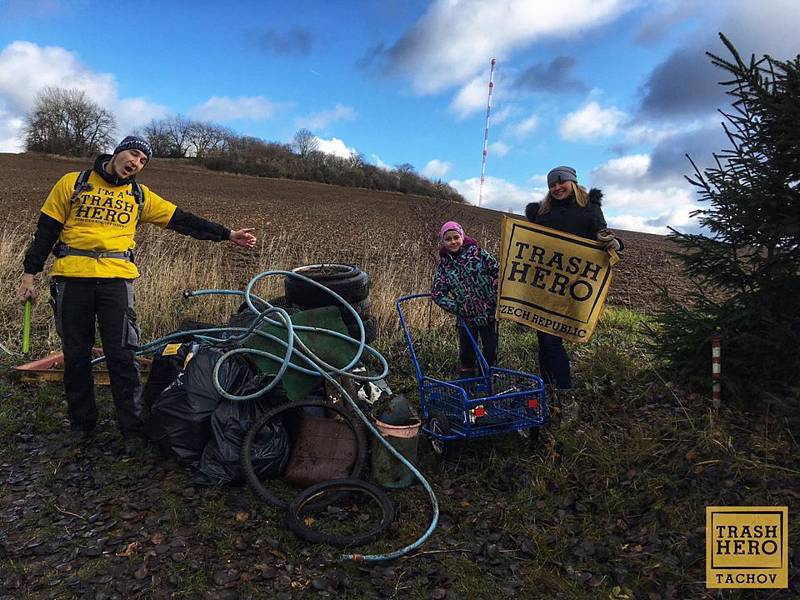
(88, 221)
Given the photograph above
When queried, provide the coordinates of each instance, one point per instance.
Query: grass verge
(610, 505)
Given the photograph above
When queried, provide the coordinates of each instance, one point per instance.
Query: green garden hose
(316, 366)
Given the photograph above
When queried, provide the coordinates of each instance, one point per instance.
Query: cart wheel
(531, 435)
(438, 423)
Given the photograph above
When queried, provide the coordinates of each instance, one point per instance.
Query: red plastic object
(51, 368)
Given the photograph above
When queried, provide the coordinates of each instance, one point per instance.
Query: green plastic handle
(26, 328)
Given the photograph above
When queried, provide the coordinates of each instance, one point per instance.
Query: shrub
(746, 264)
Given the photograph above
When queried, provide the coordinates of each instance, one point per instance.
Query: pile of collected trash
(280, 393)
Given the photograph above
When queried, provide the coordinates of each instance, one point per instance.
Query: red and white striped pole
(486, 132)
(716, 369)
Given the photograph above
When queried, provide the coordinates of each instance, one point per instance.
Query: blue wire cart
(497, 401)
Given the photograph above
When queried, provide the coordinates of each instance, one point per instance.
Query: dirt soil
(347, 223)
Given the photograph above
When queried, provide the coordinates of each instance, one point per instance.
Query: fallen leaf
(130, 549)
(157, 539)
(595, 581)
(278, 554)
(242, 516)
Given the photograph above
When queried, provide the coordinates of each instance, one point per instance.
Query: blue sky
(619, 89)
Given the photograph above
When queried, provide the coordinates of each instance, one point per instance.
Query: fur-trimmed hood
(595, 197)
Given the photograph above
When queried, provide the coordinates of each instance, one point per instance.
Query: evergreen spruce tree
(746, 263)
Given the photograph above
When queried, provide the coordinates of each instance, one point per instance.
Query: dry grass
(13, 244)
(171, 264)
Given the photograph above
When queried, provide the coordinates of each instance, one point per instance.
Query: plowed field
(345, 224)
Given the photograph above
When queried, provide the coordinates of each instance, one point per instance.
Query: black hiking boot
(135, 445)
(76, 438)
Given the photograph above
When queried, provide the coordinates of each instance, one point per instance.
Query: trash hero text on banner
(747, 546)
(552, 281)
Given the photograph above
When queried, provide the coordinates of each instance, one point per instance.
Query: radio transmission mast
(486, 133)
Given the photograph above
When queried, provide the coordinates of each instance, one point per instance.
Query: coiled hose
(314, 366)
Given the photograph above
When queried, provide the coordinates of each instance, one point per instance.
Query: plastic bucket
(387, 470)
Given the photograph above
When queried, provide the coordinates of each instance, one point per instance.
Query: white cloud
(524, 128)
(591, 122)
(10, 133)
(26, 68)
(625, 167)
(499, 149)
(471, 98)
(454, 38)
(336, 147)
(650, 133)
(436, 169)
(640, 208)
(376, 160)
(324, 118)
(223, 108)
(648, 200)
(760, 27)
(502, 115)
(626, 206)
(539, 181)
(135, 112)
(473, 95)
(498, 194)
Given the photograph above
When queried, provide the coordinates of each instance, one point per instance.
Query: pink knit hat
(450, 225)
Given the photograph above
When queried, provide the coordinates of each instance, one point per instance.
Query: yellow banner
(552, 281)
(747, 546)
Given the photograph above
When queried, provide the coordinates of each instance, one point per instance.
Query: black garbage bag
(166, 366)
(230, 423)
(180, 419)
(168, 363)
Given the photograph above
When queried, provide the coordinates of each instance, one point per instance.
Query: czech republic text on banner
(552, 281)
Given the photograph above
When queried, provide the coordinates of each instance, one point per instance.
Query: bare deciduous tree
(171, 135)
(158, 136)
(405, 169)
(68, 122)
(305, 143)
(356, 161)
(178, 133)
(204, 137)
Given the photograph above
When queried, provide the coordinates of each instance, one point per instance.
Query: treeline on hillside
(66, 121)
(253, 156)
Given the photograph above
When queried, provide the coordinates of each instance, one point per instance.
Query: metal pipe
(486, 133)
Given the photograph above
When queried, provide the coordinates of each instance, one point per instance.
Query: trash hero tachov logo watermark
(747, 546)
